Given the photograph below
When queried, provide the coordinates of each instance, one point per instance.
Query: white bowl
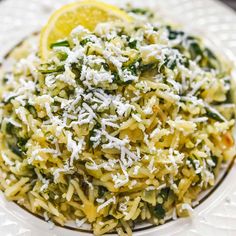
(216, 213)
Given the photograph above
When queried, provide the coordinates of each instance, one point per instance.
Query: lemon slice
(87, 13)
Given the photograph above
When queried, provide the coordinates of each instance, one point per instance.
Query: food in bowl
(122, 120)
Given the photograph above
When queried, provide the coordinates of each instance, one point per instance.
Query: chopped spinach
(195, 50)
(52, 70)
(63, 43)
(106, 66)
(4, 80)
(133, 44)
(159, 212)
(53, 191)
(174, 34)
(8, 100)
(101, 191)
(10, 128)
(192, 163)
(209, 54)
(15, 149)
(132, 68)
(209, 59)
(77, 68)
(139, 11)
(148, 67)
(92, 133)
(17, 145)
(171, 64)
(85, 41)
(21, 142)
(215, 160)
(32, 110)
(118, 80)
(213, 115)
(164, 193)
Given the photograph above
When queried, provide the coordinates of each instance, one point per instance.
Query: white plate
(216, 215)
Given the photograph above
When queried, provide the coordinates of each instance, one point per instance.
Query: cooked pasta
(126, 123)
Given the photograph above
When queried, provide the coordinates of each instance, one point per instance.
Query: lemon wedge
(87, 13)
